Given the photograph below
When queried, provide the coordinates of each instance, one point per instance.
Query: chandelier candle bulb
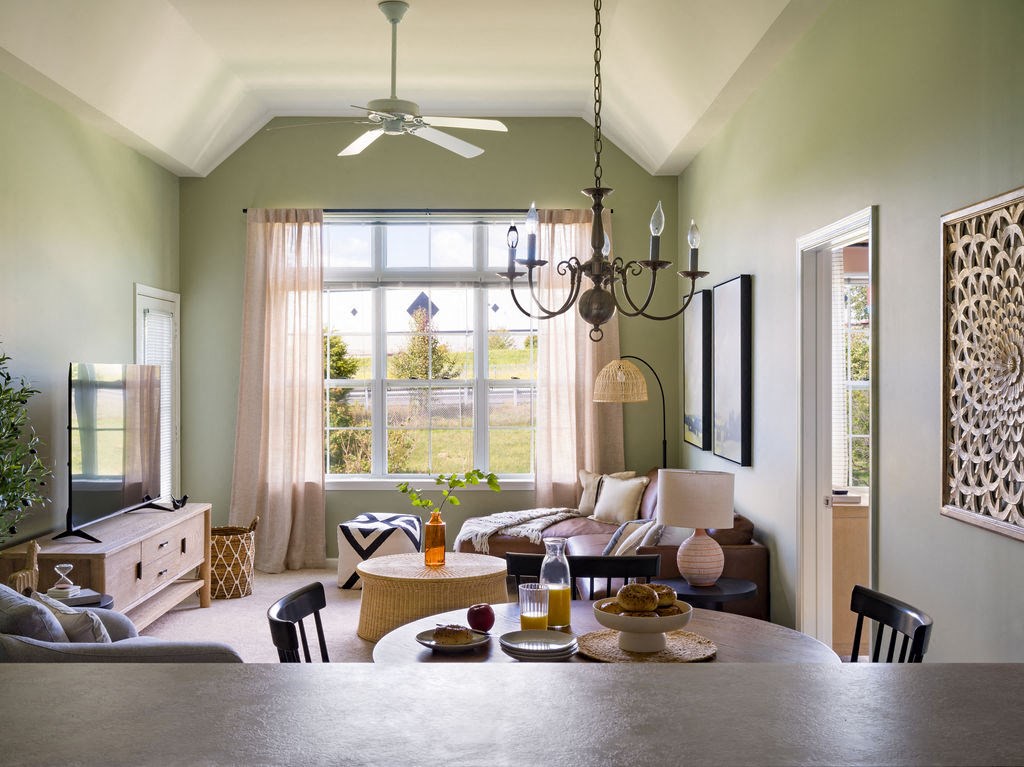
(693, 237)
(532, 223)
(512, 238)
(657, 227)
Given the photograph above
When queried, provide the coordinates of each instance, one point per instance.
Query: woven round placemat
(680, 647)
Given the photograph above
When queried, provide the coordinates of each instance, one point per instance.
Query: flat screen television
(113, 442)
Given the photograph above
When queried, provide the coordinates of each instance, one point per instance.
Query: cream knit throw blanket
(528, 524)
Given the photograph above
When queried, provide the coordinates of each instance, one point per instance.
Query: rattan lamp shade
(620, 381)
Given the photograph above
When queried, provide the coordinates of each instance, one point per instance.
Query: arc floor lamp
(622, 381)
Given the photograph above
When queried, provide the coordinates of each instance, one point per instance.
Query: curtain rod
(421, 211)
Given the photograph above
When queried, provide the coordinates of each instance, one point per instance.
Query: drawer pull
(138, 571)
(163, 544)
(183, 547)
(162, 573)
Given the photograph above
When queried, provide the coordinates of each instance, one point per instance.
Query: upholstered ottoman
(374, 535)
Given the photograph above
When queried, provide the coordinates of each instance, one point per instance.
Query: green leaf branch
(451, 483)
(22, 472)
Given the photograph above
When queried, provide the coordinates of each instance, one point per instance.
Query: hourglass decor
(63, 587)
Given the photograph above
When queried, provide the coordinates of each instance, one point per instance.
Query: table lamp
(697, 499)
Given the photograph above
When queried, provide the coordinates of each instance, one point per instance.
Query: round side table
(713, 597)
(400, 588)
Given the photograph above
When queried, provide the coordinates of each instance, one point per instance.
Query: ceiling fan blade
(362, 142)
(472, 123)
(450, 143)
(305, 125)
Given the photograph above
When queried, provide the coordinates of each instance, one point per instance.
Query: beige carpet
(242, 623)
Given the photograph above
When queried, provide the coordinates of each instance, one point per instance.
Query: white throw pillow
(79, 625)
(619, 499)
(632, 540)
(592, 488)
(672, 536)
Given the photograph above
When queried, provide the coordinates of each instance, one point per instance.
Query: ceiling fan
(394, 116)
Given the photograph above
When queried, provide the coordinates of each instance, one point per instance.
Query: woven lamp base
(700, 559)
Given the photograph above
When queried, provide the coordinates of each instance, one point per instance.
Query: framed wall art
(731, 355)
(983, 378)
(697, 319)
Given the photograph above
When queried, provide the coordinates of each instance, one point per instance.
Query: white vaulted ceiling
(186, 82)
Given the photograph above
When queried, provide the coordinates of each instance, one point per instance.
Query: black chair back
(593, 569)
(287, 613)
(901, 620)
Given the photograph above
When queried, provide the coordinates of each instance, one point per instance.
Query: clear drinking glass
(533, 606)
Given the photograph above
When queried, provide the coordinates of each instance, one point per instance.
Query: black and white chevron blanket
(528, 523)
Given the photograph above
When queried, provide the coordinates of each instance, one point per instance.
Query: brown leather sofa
(745, 557)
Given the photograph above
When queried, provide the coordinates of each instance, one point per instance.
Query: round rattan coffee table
(400, 588)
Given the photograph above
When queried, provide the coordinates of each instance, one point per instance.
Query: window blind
(158, 349)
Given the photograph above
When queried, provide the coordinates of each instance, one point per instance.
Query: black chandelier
(599, 303)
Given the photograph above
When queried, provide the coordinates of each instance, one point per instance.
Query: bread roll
(666, 594)
(610, 607)
(640, 614)
(637, 597)
(453, 634)
(670, 610)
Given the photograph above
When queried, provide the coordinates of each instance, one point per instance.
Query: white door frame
(814, 435)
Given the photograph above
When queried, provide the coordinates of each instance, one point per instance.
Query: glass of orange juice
(533, 606)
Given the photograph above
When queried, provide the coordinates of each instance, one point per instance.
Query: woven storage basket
(232, 550)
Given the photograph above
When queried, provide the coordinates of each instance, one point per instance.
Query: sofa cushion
(619, 499)
(591, 484)
(25, 617)
(79, 625)
(630, 536)
(569, 528)
(741, 532)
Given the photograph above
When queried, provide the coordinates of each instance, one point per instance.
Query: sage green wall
(82, 219)
(547, 160)
(915, 106)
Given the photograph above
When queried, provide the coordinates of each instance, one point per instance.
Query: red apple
(480, 617)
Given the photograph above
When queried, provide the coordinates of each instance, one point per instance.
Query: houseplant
(434, 540)
(22, 472)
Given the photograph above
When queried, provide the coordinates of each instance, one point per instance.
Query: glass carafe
(554, 573)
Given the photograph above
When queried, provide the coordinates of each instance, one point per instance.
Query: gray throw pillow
(25, 617)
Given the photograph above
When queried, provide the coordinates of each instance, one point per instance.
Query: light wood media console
(145, 560)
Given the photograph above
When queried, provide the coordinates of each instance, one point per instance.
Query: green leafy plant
(22, 472)
(451, 482)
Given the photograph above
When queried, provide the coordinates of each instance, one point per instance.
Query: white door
(837, 416)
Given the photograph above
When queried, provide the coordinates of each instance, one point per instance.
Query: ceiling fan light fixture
(599, 303)
(398, 116)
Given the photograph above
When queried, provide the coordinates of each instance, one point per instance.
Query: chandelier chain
(598, 143)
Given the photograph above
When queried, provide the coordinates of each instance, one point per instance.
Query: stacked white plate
(536, 645)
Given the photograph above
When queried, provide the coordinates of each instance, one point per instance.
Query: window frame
(378, 278)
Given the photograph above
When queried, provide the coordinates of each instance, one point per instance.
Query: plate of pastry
(452, 638)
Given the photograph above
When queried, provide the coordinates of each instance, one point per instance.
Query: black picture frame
(731, 354)
(697, 324)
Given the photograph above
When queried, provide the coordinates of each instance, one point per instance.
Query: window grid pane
(428, 334)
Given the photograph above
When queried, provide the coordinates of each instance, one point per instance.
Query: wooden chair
(593, 569)
(287, 613)
(900, 618)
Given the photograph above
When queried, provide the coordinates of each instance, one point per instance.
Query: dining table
(737, 638)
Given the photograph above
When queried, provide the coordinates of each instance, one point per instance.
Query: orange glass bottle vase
(433, 550)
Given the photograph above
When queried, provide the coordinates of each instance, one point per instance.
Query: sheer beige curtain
(572, 432)
(279, 436)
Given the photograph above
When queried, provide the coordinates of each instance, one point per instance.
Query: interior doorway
(837, 465)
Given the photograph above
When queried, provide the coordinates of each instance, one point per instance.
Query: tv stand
(148, 561)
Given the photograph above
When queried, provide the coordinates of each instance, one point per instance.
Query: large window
(429, 367)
